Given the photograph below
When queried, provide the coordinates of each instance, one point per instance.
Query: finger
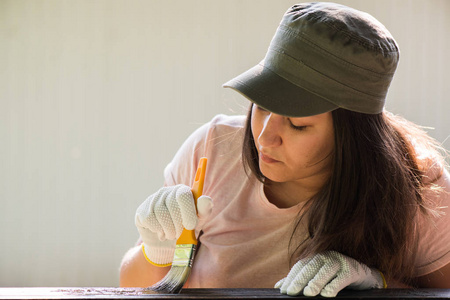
(323, 276)
(279, 283)
(204, 207)
(145, 215)
(175, 214)
(147, 236)
(308, 270)
(142, 213)
(301, 281)
(292, 273)
(164, 218)
(186, 203)
(335, 286)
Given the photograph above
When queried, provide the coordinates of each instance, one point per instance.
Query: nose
(270, 133)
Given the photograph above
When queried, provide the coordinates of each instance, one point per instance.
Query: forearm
(136, 271)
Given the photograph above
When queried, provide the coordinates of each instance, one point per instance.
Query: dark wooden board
(137, 293)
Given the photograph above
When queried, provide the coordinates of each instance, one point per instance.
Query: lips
(266, 158)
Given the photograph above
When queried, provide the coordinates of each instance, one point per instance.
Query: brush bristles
(178, 274)
(173, 282)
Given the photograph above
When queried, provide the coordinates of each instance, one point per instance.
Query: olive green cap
(323, 56)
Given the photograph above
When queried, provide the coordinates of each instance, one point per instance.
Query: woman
(338, 192)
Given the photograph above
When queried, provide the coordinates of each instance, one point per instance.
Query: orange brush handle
(188, 236)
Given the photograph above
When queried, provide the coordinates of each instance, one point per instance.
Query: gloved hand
(161, 217)
(327, 273)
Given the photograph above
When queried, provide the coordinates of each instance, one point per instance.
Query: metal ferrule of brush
(184, 255)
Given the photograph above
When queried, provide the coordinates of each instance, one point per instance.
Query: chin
(273, 176)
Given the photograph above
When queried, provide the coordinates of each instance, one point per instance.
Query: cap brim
(276, 94)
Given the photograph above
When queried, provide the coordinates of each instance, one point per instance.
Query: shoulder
(437, 191)
(227, 123)
(219, 126)
(217, 139)
(429, 161)
(427, 152)
(225, 130)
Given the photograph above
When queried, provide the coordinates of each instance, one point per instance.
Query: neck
(289, 194)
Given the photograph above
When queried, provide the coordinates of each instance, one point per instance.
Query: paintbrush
(186, 246)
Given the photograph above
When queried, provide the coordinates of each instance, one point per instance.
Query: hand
(161, 218)
(327, 273)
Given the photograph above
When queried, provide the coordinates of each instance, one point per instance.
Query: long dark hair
(367, 207)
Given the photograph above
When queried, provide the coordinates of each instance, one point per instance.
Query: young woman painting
(318, 188)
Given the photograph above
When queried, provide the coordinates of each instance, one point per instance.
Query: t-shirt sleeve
(434, 234)
(206, 141)
(182, 168)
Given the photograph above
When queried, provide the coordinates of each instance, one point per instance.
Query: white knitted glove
(327, 273)
(160, 220)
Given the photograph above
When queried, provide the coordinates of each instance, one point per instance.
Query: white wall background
(97, 95)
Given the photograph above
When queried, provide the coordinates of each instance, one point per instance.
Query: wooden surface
(131, 293)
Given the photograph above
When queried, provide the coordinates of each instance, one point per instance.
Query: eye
(299, 128)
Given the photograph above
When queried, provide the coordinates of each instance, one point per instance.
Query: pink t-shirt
(245, 239)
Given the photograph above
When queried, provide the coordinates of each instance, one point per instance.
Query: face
(293, 149)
